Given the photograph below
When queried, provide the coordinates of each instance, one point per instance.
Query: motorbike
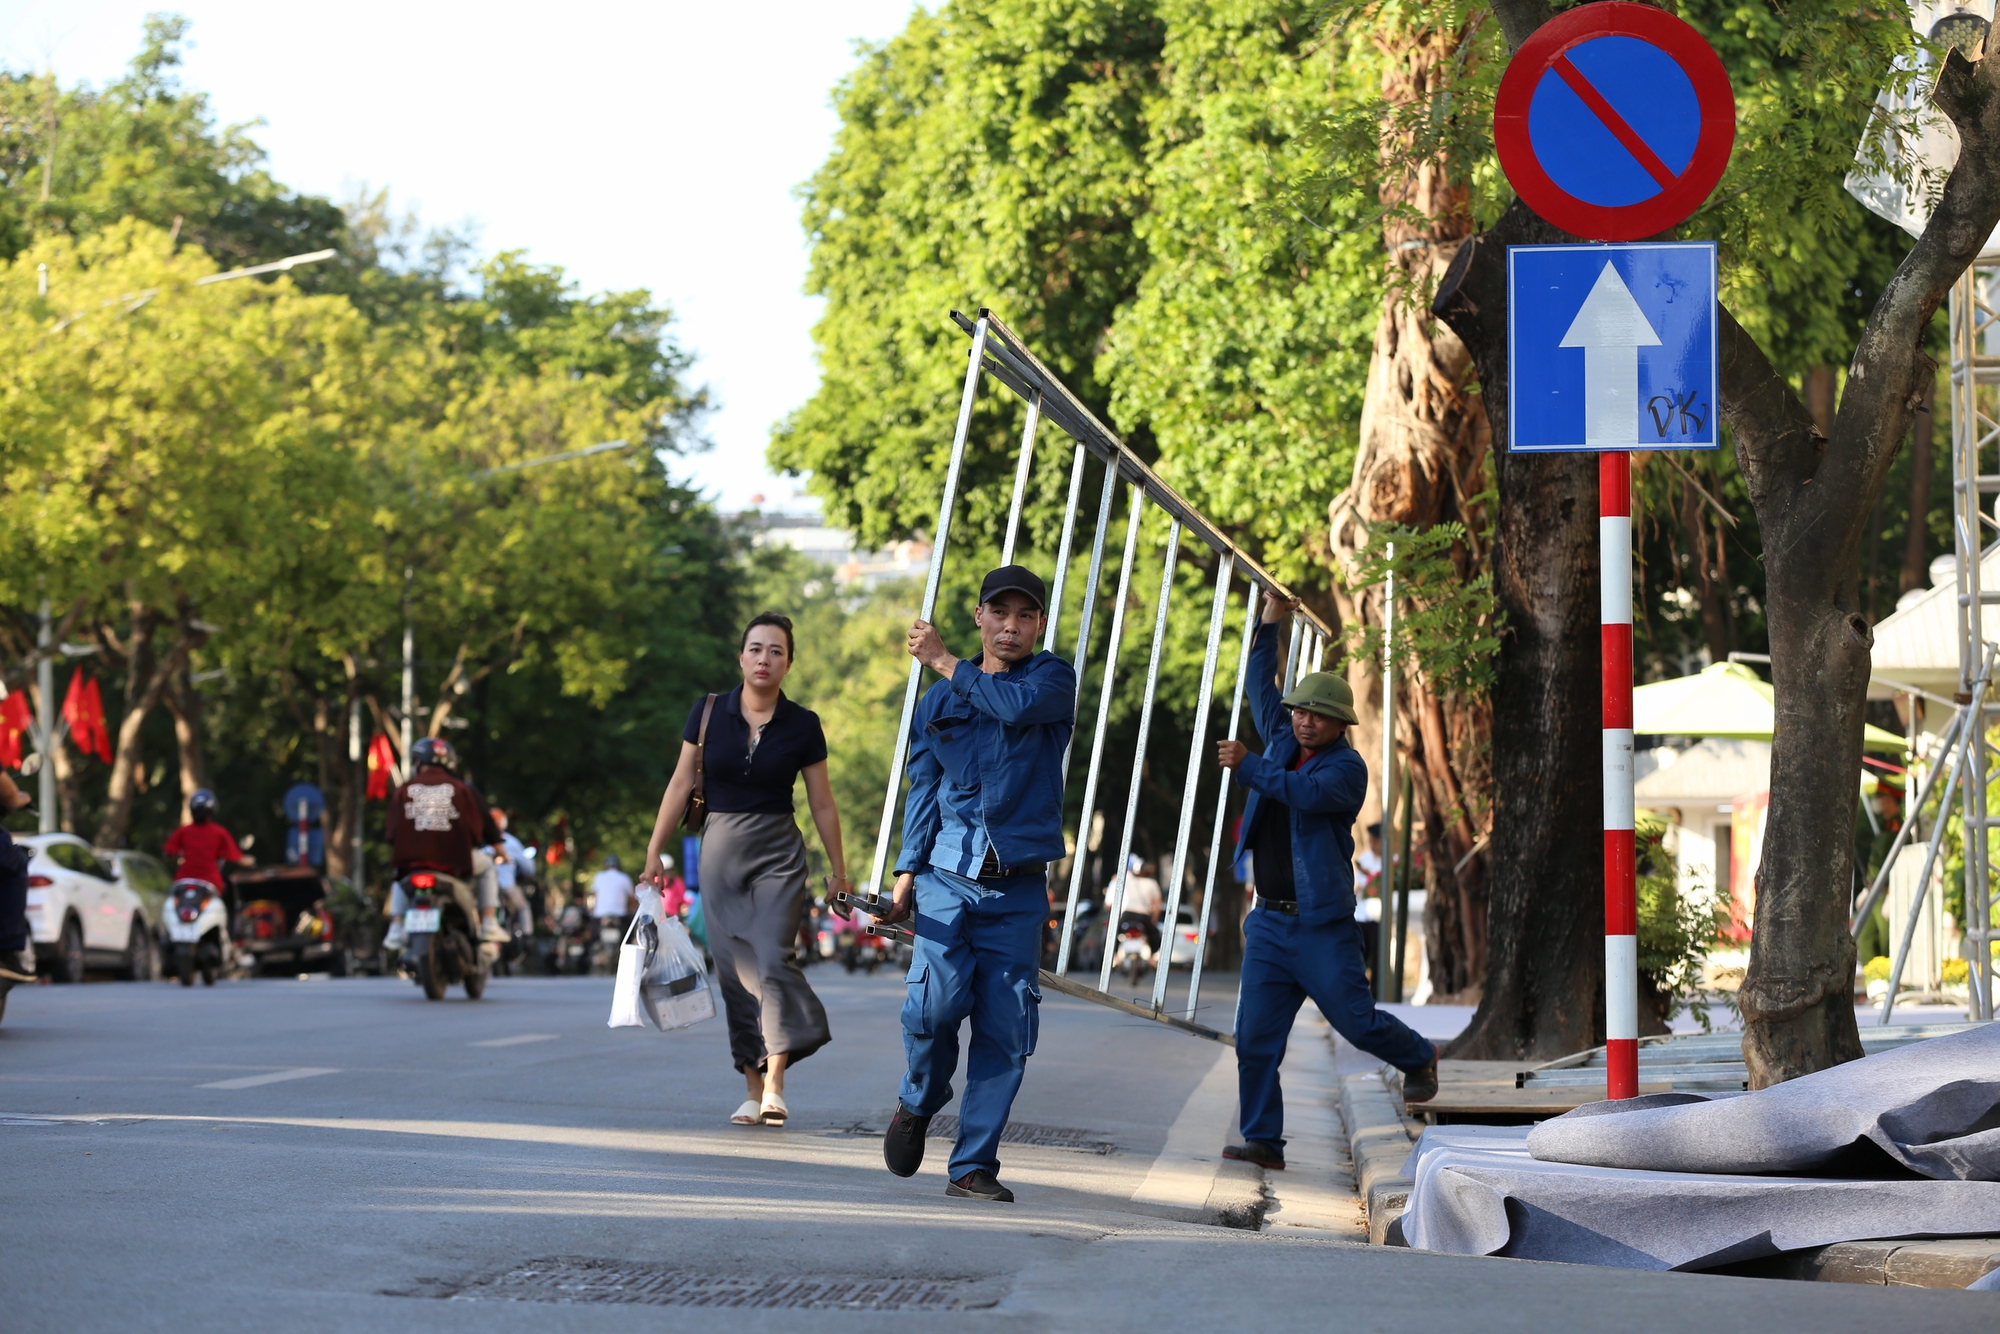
(198, 930)
(1133, 954)
(863, 950)
(441, 935)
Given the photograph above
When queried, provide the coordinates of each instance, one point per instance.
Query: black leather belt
(1289, 907)
(991, 869)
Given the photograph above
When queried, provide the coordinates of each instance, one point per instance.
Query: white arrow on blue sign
(1611, 347)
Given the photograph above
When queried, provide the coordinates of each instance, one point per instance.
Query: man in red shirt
(198, 850)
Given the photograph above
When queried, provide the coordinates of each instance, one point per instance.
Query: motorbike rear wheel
(428, 976)
(184, 964)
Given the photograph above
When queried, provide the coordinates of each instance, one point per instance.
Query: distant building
(809, 535)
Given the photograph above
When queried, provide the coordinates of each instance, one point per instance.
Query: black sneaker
(903, 1141)
(980, 1184)
(17, 965)
(1421, 1085)
(1258, 1152)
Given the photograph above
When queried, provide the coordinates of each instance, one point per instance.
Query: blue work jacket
(986, 750)
(1323, 796)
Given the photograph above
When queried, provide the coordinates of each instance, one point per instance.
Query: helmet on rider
(434, 750)
(203, 805)
(611, 862)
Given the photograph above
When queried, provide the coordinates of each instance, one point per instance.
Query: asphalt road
(344, 1155)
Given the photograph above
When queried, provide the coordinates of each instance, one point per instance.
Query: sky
(653, 145)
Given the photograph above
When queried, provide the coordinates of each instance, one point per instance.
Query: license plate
(183, 932)
(422, 921)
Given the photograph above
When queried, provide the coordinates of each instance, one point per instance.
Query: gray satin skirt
(753, 892)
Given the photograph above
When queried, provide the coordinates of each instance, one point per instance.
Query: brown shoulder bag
(696, 813)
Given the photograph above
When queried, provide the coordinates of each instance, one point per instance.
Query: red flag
(14, 720)
(74, 713)
(381, 763)
(100, 737)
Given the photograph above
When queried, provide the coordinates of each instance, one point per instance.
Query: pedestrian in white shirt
(611, 892)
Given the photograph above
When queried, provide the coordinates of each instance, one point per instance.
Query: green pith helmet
(1324, 692)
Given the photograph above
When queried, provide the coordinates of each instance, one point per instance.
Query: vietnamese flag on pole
(14, 720)
(100, 737)
(83, 710)
(381, 764)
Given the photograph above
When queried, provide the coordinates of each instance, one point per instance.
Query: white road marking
(516, 1040)
(275, 1077)
(1184, 1173)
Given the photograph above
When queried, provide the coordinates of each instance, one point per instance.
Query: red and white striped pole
(1621, 894)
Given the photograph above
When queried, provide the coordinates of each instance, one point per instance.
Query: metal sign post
(1614, 121)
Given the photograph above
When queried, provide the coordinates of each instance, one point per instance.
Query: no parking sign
(1614, 121)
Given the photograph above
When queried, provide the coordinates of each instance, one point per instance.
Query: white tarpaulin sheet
(1904, 1144)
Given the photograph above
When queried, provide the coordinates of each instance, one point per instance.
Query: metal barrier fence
(998, 352)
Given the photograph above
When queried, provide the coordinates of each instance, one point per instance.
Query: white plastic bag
(673, 986)
(660, 974)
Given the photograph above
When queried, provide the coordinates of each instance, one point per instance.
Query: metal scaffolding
(1961, 758)
(998, 352)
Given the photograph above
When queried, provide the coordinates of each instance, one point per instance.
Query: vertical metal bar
(900, 755)
(1063, 548)
(1924, 883)
(1139, 749)
(1319, 651)
(1103, 718)
(1021, 471)
(1387, 875)
(1079, 851)
(1170, 922)
(1292, 657)
(1222, 800)
(45, 712)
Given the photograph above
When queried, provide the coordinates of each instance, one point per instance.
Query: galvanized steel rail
(998, 352)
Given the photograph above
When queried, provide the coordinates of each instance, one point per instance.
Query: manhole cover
(624, 1283)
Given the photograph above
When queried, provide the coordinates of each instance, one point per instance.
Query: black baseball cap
(1015, 579)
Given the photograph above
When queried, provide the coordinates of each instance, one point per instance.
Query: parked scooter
(865, 951)
(441, 935)
(198, 930)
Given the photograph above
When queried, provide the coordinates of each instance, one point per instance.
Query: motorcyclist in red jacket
(199, 849)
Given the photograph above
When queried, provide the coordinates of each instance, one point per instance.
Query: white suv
(80, 916)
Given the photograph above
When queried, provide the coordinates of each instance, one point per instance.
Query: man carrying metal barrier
(1301, 940)
(982, 820)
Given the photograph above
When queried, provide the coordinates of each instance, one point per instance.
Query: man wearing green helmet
(1301, 939)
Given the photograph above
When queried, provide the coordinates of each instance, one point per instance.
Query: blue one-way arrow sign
(1611, 347)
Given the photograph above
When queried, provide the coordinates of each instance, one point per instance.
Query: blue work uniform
(1310, 946)
(982, 820)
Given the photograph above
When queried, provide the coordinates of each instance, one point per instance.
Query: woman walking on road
(754, 744)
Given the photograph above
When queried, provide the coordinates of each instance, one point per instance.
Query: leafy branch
(1446, 623)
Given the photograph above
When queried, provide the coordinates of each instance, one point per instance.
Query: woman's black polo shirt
(760, 784)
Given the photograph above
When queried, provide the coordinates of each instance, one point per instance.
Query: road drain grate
(621, 1283)
(1027, 1132)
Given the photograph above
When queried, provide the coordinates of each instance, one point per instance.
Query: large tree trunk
(1545, 955)
(184, 702)
(1923, 452)
(146, 680)
(1424, 438)
(1813, 495)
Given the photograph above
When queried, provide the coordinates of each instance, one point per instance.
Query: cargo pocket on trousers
(916, 1006)
(1032, 1020)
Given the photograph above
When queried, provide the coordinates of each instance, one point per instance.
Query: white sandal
(773, 1112)
(746, 1115)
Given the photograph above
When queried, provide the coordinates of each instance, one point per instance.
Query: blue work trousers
(978, 951)
(1284, 962)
